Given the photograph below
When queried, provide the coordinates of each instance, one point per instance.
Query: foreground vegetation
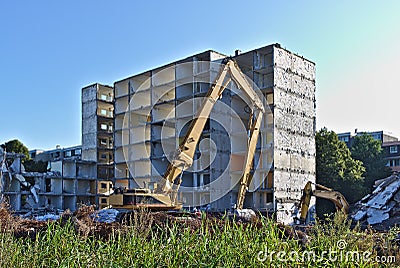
(154, 241)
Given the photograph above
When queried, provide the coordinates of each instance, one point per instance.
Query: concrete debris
(28, 180)
(48, 217)
(34, 190)
(3, 170)
(105, 215)
(382, 206)
(21, 180)
(16, 166)
(246, 214)
(48, 174)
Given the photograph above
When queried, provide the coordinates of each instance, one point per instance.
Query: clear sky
(49, 50)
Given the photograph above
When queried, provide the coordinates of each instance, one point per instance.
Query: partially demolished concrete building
(70, 182)
(152, 111)
(129, 131)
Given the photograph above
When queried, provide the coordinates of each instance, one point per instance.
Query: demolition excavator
(164, 194)
(321, 191)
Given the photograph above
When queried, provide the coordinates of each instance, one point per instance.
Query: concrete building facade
(152, 111)
(392, 152)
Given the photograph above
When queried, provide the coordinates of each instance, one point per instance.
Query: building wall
(89, 122)
(288, 132)
(294, 129)
(69, 183)
(97, 132)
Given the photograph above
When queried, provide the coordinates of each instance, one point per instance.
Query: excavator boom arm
(321, 192)
(183, 157)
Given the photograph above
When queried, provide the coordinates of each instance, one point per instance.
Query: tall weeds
(158, 240)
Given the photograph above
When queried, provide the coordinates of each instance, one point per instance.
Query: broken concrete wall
(89, 122)
(294, 130)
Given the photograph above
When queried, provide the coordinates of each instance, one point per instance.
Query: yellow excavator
(164, 194)
(321, 191)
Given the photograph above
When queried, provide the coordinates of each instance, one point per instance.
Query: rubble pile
(99, 224)
(381, 208)
(81, 220)
(105, 215)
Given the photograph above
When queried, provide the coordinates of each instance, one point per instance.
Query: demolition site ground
(157, 239)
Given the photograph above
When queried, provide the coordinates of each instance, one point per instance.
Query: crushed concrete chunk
(16, 165)
(397, 197)
(382, 204)
(21, 180)
(106, 215)
(381, 198)
(33, 191)
(47, 217)
(359, 215)
(376, 216)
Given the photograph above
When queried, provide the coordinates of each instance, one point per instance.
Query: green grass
(208, 244)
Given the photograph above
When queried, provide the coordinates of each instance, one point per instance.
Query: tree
(35, 166)
(336, 168)
(368, 150)
(15, 146)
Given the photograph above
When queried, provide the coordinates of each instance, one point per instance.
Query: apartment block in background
(382, 136)
(392, 152)
(390, 144)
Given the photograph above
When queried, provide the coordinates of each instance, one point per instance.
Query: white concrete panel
(89, 109)
(163, 112)
(163, 76)
(69, 186)
(139, 134)
(89, 155)
(139, 100)
(121, 88)
(56, 166)
(119, 155)
(89, 140)
(139, 83)
(121, 105)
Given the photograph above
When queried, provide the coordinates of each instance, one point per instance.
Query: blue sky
(49, 50)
